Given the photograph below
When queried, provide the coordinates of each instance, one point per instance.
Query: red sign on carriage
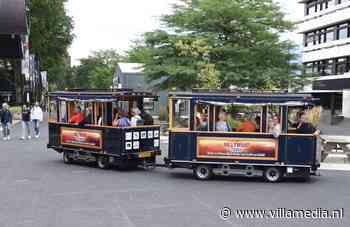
(81, 138)
(237, 148)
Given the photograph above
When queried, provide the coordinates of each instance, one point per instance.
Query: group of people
(226, 123)
(120, 118)
(30, 116)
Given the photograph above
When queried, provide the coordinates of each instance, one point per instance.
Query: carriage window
(293, 118)
(294, 114)
(181, 114)
(100, 118)
(202, 117)
(53, 111)
(274, 120)
(238, 118)
(124, 106)
(89, 116)
(63, 115)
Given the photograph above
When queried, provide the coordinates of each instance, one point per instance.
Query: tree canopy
(220, 43)
(51, 34)
(95, 71)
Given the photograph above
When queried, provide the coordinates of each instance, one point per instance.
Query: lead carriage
(96, 139)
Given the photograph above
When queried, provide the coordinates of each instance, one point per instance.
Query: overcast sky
(106, 24)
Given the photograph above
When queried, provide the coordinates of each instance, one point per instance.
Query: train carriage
(94, 138)
(196, 141)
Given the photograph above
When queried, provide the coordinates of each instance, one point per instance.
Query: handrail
(240, 133)
(103, 126)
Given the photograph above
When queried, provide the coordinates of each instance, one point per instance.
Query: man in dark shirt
(6, 121)
(25, 123)
(147, 118)
(305, 127)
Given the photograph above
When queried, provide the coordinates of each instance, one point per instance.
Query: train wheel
(273, 174)
(203, 172)
(66, 158)
(102, 162)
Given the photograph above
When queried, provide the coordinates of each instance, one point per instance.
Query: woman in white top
(135, 112)
(275, 126)
(36, 117)
(221, 124)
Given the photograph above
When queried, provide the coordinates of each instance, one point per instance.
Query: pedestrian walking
(36, 117)
(25, 123)
(6, 121)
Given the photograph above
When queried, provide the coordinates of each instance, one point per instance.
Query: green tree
(50, 37)
(219, 43)
(97, 70)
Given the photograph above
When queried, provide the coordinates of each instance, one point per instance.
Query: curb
(335, 167)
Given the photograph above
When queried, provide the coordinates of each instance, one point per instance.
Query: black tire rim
(202, 172)
(273, 174)
(66, 158)
(102, 162)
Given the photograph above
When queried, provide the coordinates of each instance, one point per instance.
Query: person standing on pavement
(36, 117)
(25, 123)
(6, 121)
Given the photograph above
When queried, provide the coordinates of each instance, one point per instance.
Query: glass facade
(314, 6)
(328, 34)
(337, 66)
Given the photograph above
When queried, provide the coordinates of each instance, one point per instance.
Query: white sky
(114, 24)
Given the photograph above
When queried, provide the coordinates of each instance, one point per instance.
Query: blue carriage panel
(182, 146)
(282, 146)
(300, 150)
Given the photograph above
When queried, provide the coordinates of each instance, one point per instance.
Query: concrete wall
(339, 48)
(346, 103)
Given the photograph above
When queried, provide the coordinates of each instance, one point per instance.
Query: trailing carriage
(247, 145)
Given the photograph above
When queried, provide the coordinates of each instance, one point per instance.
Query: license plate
(145, 154)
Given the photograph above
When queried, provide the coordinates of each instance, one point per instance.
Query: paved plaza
(38, 190)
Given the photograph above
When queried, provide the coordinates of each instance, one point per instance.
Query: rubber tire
(66, 158)
(102, 162)
(273, 174)
(203, 172)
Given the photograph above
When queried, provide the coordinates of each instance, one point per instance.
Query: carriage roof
(99, 95)
(222, 97)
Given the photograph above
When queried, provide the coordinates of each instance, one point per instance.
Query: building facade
(326, 53)
(132, 76)
(20, 77)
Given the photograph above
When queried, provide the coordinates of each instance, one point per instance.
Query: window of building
(310, 39)
(329, 67)
(323, 4)
(308, 68)
(321, 36)
(343, 31)
(347, 64)
(340, 66)
(322, 68)
(311, 7)
(329, 34)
